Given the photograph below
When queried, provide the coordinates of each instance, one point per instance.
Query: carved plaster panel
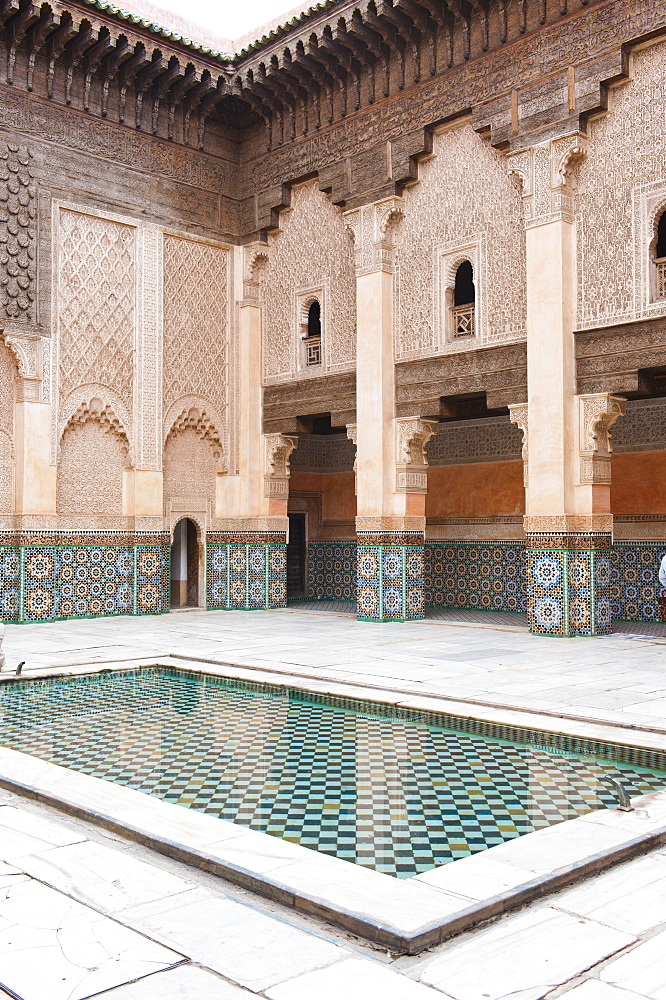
(597, 412)
(643, 426)
(466, 442)
(464, 200)
(372, 230)
(311, 250)
(621, 192)
(546, 173)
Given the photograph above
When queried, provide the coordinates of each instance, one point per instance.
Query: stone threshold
(405, 916)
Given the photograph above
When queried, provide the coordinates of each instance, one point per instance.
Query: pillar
(246, 548)
(568, 523)
(390, 488)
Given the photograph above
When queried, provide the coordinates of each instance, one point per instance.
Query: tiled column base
(569, 578)
(51, 576)
(390, 576)
(246, 571)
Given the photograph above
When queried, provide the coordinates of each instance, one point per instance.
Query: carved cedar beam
(144, 81)
(426, 26)
(74, 53)
(306, 82)
(270, 98)
(209, 104)
(360, 51)
(294, 85)
(37, 37)
(283, 91)
(55, 47)
(376, 43)
(194, 98)
(18, 28)
(161, 87)
(463, 11)
(322, 80)
(336, 62)
(483, 7)
(110, 68)
(178, 93)
(94, 57)
(405, 28)
(262, 110)
(395, 42)
(130, 68)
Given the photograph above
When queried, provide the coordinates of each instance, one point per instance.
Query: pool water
(357, 780)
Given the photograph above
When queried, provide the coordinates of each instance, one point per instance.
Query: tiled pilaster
(569, 579)
(390, 579)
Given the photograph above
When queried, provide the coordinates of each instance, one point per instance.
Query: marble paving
(84, 914)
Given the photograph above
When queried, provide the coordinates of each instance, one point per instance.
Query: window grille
(312, 351)
(660, 264)
(463, 321)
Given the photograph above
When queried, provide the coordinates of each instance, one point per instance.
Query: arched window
(312, 335)
(660, 258)
(464, 295)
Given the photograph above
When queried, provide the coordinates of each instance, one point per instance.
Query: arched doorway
(185, 565)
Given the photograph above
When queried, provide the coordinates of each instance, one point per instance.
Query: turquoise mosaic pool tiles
(246, 572)
(95, 575)
(570, 577)
(390, 577)
(491, 576)
(331, 571)
(387, 788)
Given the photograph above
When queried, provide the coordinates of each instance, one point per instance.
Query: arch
(186, 563)
(464, 291)
(93, 454)
(91, 401)
(658, 254)
(193, 456)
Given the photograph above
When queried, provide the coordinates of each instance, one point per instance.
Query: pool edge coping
(377, 931)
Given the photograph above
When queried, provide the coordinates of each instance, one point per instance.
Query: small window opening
(464, 295)
(660, 258)
(312, 339)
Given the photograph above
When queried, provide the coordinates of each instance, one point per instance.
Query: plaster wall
(486, 489)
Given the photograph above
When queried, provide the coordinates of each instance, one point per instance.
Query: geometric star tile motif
(388, 793)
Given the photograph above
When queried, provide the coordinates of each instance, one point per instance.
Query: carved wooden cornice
(286, 405)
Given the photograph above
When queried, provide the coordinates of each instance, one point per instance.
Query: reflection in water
(390, 794)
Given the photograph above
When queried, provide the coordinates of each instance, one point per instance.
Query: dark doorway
(296, 556)
(185, 565)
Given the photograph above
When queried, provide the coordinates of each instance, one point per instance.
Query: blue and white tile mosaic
(390, 582)
(489, 576)
(246, 575)
(331, 571)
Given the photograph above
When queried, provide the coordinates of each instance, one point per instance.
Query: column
(568, 523)
(35, 476)
(390, 465)
(246, 549)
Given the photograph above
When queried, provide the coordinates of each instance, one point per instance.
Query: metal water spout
(622, 794)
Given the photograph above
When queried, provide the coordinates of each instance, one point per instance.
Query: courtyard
(111, 892)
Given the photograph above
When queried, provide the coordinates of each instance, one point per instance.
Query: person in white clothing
(662, 572)
(661, 601)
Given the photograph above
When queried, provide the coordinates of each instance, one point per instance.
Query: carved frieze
(546, 172)
(371, 230)
(285, 405)
(608, 359)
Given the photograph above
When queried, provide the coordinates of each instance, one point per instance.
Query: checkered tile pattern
(347, 778)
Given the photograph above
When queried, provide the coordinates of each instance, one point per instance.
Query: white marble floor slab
(22, 833)
(187, 982)
(643, 969)
(103, 877)
(528, 956)
(631, 898)
(239, 942)
(355, 979)
(53, 948)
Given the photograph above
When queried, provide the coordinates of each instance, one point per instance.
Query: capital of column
(371, 228)
(27, 350)
(411, 437)
(518, 414)
(546, 172)
(597, 412)
(255, 258)
(276, 474)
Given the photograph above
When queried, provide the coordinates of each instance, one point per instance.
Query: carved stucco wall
(620, 184)
(196, 296)
(313, 250)
(190, 467)
(18, 228)
(7, 373)
(465, 198)
(323, 453)
(96, 305)
(90, 470)
(465, 442)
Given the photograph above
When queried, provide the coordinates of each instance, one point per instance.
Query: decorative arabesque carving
(107, 419)
(195, 321)
(7, 377)
(94, 451)
(597, 413)
(480, 219)
(255, 259)
(547, 174)
(27, 350)
(17, 232)
(96, 298)
(412, 436)
(311, 250)
(518, 414)
(205, 430)
(372, 231)
(276, 474)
